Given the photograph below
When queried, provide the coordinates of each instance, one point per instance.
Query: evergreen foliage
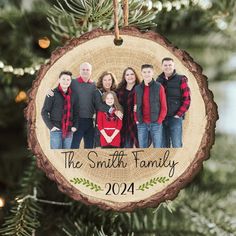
(23, 218)
(71, 18)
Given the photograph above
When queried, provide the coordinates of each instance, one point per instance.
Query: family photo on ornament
(134, 113)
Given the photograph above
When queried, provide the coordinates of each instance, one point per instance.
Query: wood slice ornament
(123, 179)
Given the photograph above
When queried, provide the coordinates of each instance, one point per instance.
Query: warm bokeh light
(2, 202)
(44, 42)
(21, 96)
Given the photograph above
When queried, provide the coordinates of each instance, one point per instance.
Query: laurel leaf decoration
(153, 182)
(86, 183)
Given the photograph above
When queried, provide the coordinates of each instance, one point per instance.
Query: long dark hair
(99, 82)
(123, 82)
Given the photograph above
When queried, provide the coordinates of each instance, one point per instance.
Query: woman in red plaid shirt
(125, 93)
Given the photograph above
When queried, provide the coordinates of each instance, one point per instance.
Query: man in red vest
(150, 109)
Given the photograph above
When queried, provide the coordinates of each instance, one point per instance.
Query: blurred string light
(221, 24)
(147, 5)
(205, 4)
(20, 71)
(168, 6)
(2, 202)
(21, 97)
(220, 20)
(195, 2)
(185, 3)
(44, 42)
(157, 6)
(175, 5)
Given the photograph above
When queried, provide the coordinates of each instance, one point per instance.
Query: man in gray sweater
(84, 87)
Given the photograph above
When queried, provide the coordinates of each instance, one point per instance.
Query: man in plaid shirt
(178, 102)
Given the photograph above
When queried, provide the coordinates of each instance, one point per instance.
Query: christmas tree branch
(23, 217)
(73, 18)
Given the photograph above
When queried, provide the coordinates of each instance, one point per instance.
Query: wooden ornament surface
(151, 185)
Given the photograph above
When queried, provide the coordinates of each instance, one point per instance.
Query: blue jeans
(172, 132)
(86, 131)
(58, 142)
(155, 131)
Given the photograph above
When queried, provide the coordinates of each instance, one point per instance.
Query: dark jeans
(85, 131)
(97, 138)
(172, 132)
(128, 142)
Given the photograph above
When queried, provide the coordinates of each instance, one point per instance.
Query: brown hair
(99, 82)
(123, 82)
(116, 102)
(65, 72)
(166, 59)
(144, 66)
